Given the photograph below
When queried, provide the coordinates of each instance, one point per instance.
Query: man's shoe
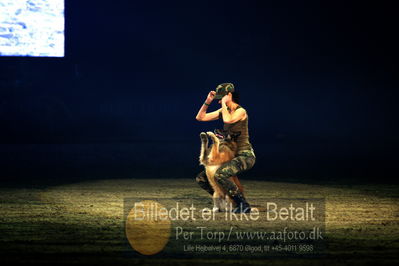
(245, 208)
(242, 204)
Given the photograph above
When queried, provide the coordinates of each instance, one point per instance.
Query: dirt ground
(84, 222)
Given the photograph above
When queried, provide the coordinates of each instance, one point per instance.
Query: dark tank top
(242, 126)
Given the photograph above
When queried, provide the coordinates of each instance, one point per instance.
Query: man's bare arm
(202, 114)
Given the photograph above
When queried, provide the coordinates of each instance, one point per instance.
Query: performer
(235, 118)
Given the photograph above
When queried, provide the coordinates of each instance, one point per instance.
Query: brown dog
(223, 149)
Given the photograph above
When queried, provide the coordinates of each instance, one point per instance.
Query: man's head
(223, 89)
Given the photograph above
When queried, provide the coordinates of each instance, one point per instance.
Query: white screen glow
(32, 28)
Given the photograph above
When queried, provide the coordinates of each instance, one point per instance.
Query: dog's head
(226, 135)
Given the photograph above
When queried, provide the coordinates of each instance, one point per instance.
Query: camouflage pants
(244, 161)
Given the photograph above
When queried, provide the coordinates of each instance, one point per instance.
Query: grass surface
(84, 222)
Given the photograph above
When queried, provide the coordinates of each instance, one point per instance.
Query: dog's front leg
(204, 148)
(215, 146)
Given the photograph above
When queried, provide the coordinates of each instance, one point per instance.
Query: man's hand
(210, 97)
(225, 99)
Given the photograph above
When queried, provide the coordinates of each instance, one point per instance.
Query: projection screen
(32, 28)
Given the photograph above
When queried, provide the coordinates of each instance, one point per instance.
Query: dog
(223, 149)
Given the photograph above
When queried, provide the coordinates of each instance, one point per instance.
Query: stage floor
(83, 222)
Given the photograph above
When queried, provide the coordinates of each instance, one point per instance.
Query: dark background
(319, 82)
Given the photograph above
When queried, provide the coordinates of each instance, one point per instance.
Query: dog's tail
(238, 183)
